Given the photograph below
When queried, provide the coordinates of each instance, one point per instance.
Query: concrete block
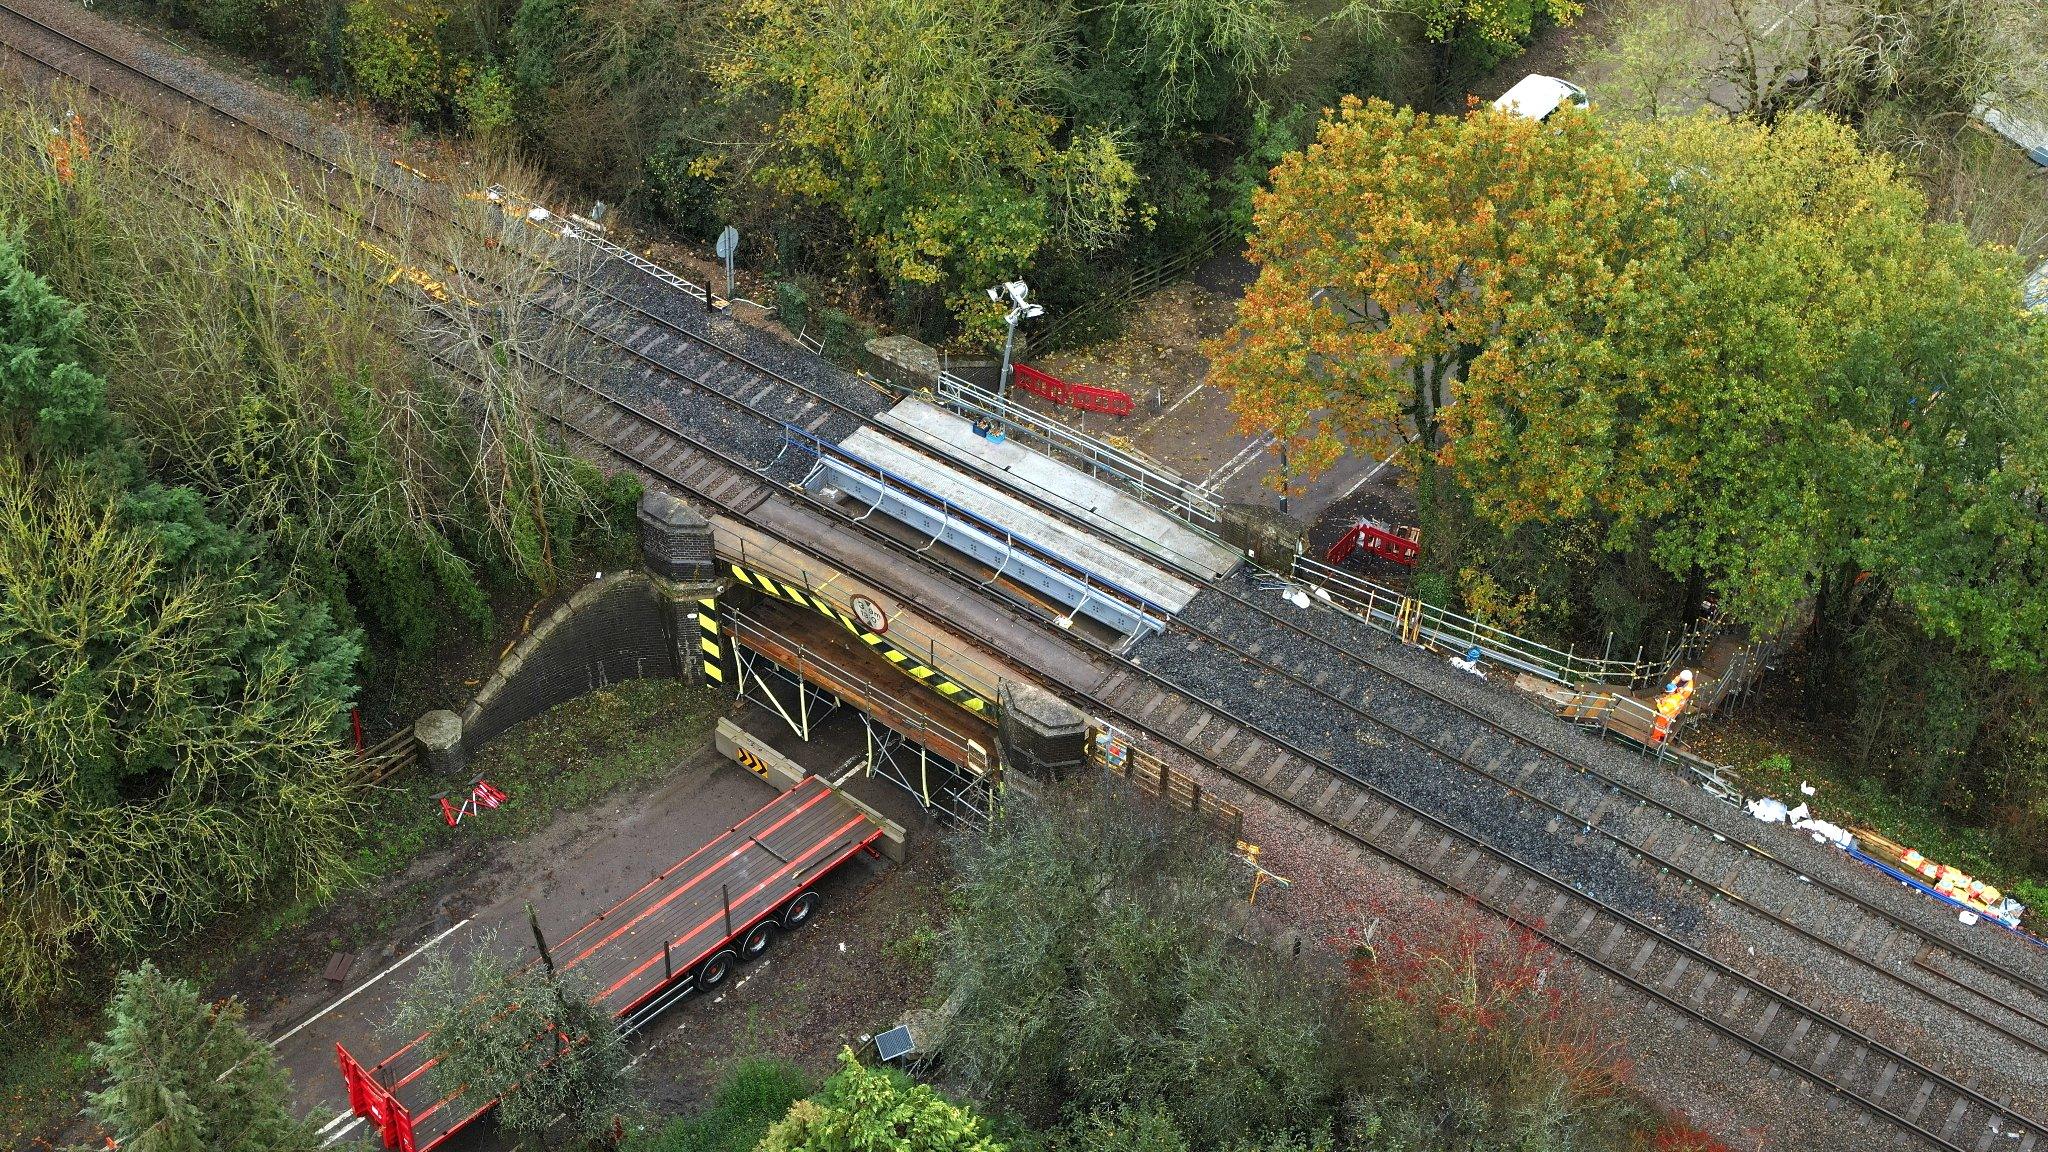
(440, 735)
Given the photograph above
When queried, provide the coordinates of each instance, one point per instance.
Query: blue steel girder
(1011, 556)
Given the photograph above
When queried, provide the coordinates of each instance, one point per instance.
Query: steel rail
(1439, 700)
(1103, 696)
(1515, 789)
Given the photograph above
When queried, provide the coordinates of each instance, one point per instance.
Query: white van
(1538, 96)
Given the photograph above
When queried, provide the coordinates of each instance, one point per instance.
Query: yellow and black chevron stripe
(708, 640)
(751, 762)
(909, 664)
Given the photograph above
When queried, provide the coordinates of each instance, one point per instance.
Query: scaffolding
(949, 773)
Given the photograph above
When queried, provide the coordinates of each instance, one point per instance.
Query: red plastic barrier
(1375, 538)
(1086, 397)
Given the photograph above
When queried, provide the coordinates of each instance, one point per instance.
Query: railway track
(1571, 789)
(1775, 1025)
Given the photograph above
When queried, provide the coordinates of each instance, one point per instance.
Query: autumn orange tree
(1482, 291)
(1707, 339)
(1708, 355)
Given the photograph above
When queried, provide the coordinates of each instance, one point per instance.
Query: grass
(571, 757)
(755, 1094)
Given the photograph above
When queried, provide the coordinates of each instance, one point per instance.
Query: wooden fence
(1177, 789)
(389, 756)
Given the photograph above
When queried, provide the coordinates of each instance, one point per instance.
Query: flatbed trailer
(685, 930)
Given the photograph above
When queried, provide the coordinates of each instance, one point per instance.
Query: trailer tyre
(716, 969)
(757, 940)
(800, 910)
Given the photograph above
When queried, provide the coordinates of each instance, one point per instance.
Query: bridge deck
(1097, 504)
(1115, 562)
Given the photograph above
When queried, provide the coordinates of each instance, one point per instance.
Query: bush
(754, 1095)
(1474, 1038)
(394, 56)
(863, 1109)
(1091, 961)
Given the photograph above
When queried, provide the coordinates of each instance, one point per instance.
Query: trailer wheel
(800, 910)
(716, 969)
(757, 940)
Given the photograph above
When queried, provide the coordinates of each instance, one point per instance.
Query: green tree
(523, 1035)
(168, 716)
(1089, 964)
(1486, 32)
(49, 400)
(247, 343)
(922, 124)
(184, 1075)
(862, 1109)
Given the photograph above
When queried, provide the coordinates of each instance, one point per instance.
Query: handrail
(1157, 483)
(1092, 583)
(1379, 606)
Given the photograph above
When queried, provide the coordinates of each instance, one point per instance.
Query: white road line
(1235, 464)
(358, 990)
(1362, 480)
(338, 1137)
(1184, 399)
(339, 1117)
(1242, 464)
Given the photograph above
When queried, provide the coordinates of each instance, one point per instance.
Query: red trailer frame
(683, 930)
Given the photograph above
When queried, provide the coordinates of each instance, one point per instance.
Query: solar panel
(895, 1044)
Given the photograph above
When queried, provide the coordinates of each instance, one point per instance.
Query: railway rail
(1443, 725)
(1777, 1026)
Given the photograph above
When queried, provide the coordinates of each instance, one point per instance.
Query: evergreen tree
(186, 1076)
(169, 708)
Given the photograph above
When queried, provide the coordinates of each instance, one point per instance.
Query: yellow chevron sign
(751, 762)
(910, 665)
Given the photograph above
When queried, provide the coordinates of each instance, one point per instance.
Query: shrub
(486, 101)
(1475, 1033)
(863, 1109)
(754, 1095)
(394, 55)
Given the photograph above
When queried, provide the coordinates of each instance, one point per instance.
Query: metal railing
(1413, 621)
(1157, 484)
(1633, 722)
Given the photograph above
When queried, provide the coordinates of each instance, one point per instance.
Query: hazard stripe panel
(707, 640)
(911, 666)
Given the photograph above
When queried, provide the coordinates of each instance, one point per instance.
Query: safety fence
(1082, 397)
(1415, 621)
(1179, 791)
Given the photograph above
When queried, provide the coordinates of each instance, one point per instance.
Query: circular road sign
(870, 615)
